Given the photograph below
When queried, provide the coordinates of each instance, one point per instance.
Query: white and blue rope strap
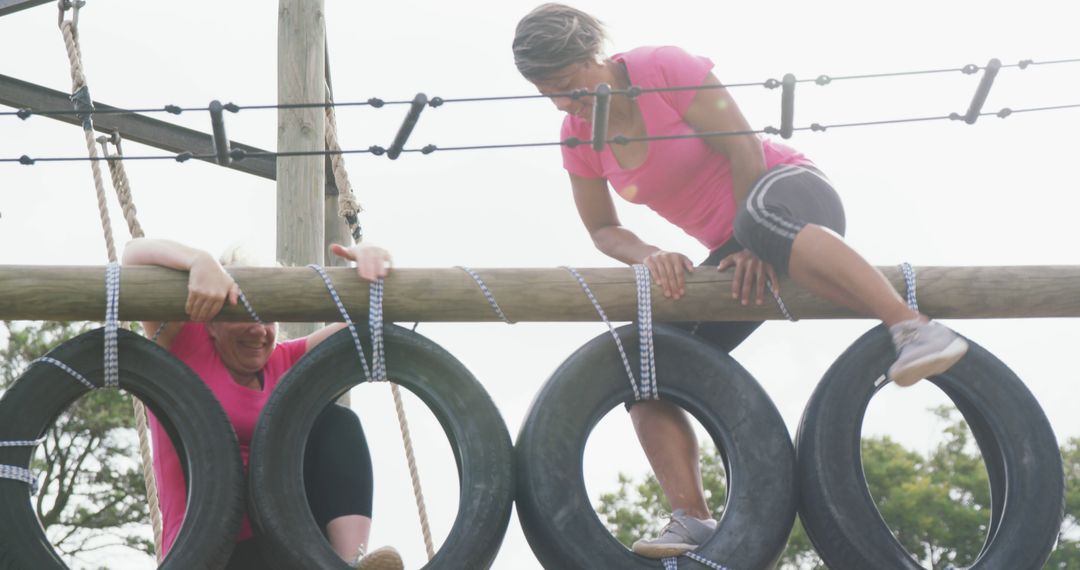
(487, 294)
(779, 301)
(112, 323)
(20, 473)
(377, 371)
(672, 562)
(643, 281)
(646, 387)
(909, 282)
(112, 370)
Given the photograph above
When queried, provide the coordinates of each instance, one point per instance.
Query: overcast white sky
(996, 193)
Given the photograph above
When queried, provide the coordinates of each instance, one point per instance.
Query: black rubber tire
(560, 524)
(199, 429)
(477, 434)
(1017, 443)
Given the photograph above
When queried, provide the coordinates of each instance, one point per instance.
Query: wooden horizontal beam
(297, 294)
(12, 6)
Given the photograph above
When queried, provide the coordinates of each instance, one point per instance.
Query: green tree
(92, 491)
(937, 506)
(1067, 554)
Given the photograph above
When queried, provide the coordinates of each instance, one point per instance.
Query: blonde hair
(238, 255)
(554, 36)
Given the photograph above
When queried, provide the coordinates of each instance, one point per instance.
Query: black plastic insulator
(173, 109)
(579, 93)
(982, 91)
(601, 112)
(970, 69)
(238, 154)
(787, 107)
(436, 102)
(184, 156)
(24, 114)
(620, 139)
(232, 107)
(376, 102)
(771, 84)
(26, 160)
(633, 92)
(84, 107)
(221, 142)
(1024, 63)
(1004, 113)
(571, 142)
(817, 127)
(429, 149)
(417, 107)
(823, 80)
(376, 150)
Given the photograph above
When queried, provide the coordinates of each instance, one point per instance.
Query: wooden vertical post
(301, 179)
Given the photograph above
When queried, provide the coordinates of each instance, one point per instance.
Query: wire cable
(632, 91)
(375, 150)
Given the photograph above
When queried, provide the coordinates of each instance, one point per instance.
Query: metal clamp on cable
(74, 6)
(601, 112)
(989, 73)
(221, 142)
(418, 104)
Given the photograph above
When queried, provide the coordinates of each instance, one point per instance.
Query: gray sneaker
(923, 349)
(682, 533)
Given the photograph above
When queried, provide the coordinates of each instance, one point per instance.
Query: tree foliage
(92, 489)
(937, 505)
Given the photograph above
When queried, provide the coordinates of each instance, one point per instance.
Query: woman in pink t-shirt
(241, 363)
(758, 206)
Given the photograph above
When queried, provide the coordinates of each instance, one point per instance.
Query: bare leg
(823, 263)
(347, 534)
(672, 448)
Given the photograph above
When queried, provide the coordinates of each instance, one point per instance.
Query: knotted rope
(83, 102)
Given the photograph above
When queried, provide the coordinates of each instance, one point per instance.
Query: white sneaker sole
(658, 551)
(385, 558)
(931, 365)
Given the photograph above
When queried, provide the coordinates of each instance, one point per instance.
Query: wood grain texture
(297, 294)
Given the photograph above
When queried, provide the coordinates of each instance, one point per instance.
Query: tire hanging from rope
(349, 208)
(81, 99)
(205, 442)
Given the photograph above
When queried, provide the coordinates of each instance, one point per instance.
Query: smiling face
(243, 347)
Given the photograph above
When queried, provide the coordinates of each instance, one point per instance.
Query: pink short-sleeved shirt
(683, 180)
(194, 347)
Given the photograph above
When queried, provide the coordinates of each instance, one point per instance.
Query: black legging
(337, 478)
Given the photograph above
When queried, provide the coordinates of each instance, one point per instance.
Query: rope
(646, 389)
(377, 373)
(487, 294)
(780, 302)
(909, 281)
(123, 191)
(348, 207)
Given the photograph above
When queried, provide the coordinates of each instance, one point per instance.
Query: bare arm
(372, 262)
(209, 286)
(597, 212)
(714, 110)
